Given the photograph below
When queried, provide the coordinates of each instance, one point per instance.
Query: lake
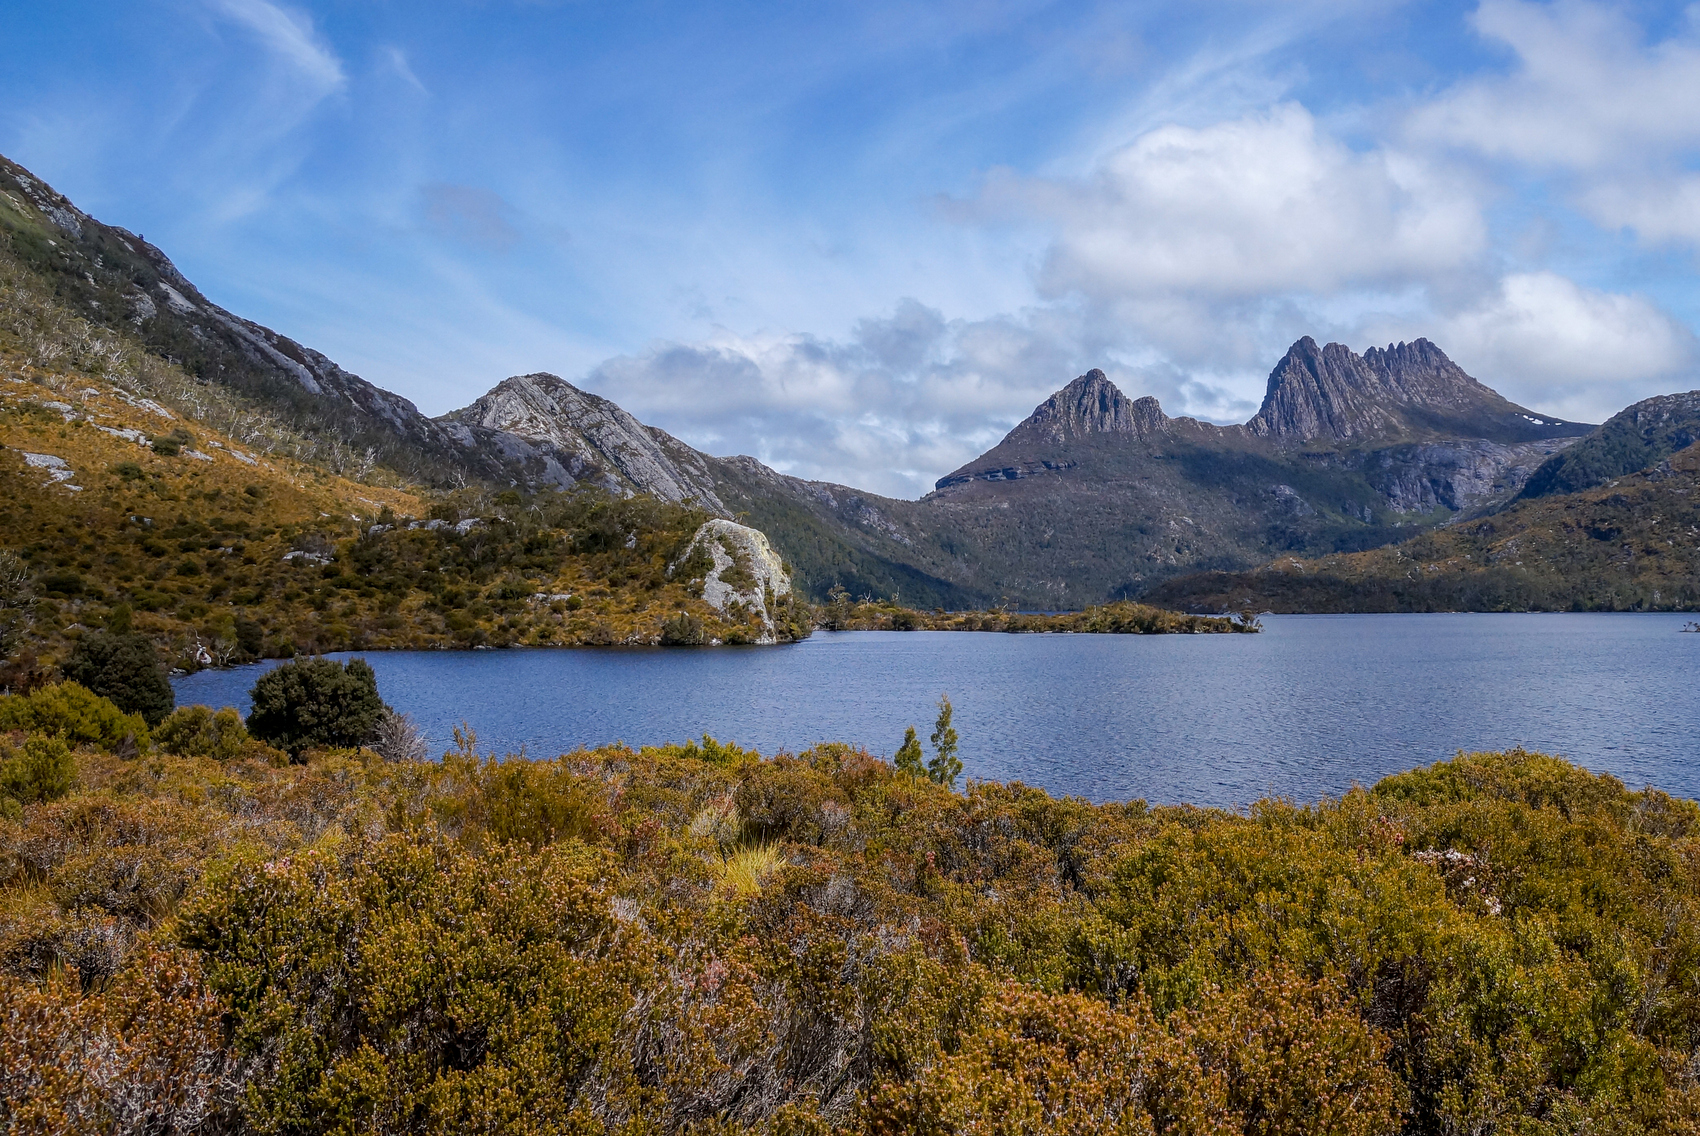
(1305, 709)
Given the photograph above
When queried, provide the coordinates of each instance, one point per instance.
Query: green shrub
(314, 703)
(124, 667)
(41, 769)
(76, 714)
(199, 731)
(683, 630)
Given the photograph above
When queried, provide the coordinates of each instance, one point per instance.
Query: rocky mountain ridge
(582, 437)
(1094, 496)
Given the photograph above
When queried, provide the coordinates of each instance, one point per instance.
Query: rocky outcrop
(739, 570)
(588, 436)
(1091, 405)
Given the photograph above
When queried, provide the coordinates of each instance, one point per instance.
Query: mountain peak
(586, 437)
(1089, 405)
(1406, 390)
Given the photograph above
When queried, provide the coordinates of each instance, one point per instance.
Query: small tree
(945, 765)
(316, 702)
(908, 759)
(123, 666)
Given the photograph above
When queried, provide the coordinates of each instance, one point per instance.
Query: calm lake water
(1305, 709)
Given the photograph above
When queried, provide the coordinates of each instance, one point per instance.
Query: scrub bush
(79, 716)
(199, 731)
(316, 703)
(693, 939)
(124, 667)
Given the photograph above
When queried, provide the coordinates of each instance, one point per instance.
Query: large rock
(746, 572)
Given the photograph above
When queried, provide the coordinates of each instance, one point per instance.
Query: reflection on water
(1305, 709)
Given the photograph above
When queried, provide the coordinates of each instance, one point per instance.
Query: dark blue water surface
(1305, 709)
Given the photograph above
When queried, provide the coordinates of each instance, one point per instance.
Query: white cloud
(1262, 204)
(396, 58)
(1586, 91)
(903, 401)
(1616, 117)
(1663, 208)
(290, 36)
(1545, 341)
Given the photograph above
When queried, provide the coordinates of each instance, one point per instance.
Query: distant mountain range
(1094, 496)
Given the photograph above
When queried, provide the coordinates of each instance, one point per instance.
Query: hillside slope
(1632, 544)
(1630, 440)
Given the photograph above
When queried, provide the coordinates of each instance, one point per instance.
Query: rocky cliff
(740, 571)
(1407, 391)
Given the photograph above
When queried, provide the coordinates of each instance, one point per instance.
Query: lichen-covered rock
(738, 568)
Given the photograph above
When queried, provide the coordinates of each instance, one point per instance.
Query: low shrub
(199, 731)
(41, 769)
(76, 714)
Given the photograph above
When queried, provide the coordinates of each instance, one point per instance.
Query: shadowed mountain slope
(1630, 440)
(1096, 494)
(1630, 545)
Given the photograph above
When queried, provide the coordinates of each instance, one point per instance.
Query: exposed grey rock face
(740, 551)
(1408, 390)
(586, 437)
(1459, 476)
(1089, 405)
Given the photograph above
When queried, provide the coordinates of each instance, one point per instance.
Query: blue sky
(860, 241)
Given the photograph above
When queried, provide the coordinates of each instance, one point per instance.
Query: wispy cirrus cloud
(289, 35)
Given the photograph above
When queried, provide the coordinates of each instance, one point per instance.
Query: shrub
(74, 713)
(124, 667)
(398, 738)
(198, 731)
(41, 769)
(683, 630)
(316, 702)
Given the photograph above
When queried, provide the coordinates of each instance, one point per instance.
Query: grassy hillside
(697, 940)
(225, 553)
(1630, 545)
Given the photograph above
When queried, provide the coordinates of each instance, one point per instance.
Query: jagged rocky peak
(1091, 404)
(1407, 390)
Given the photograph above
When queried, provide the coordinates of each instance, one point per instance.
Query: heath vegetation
(199, 935)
